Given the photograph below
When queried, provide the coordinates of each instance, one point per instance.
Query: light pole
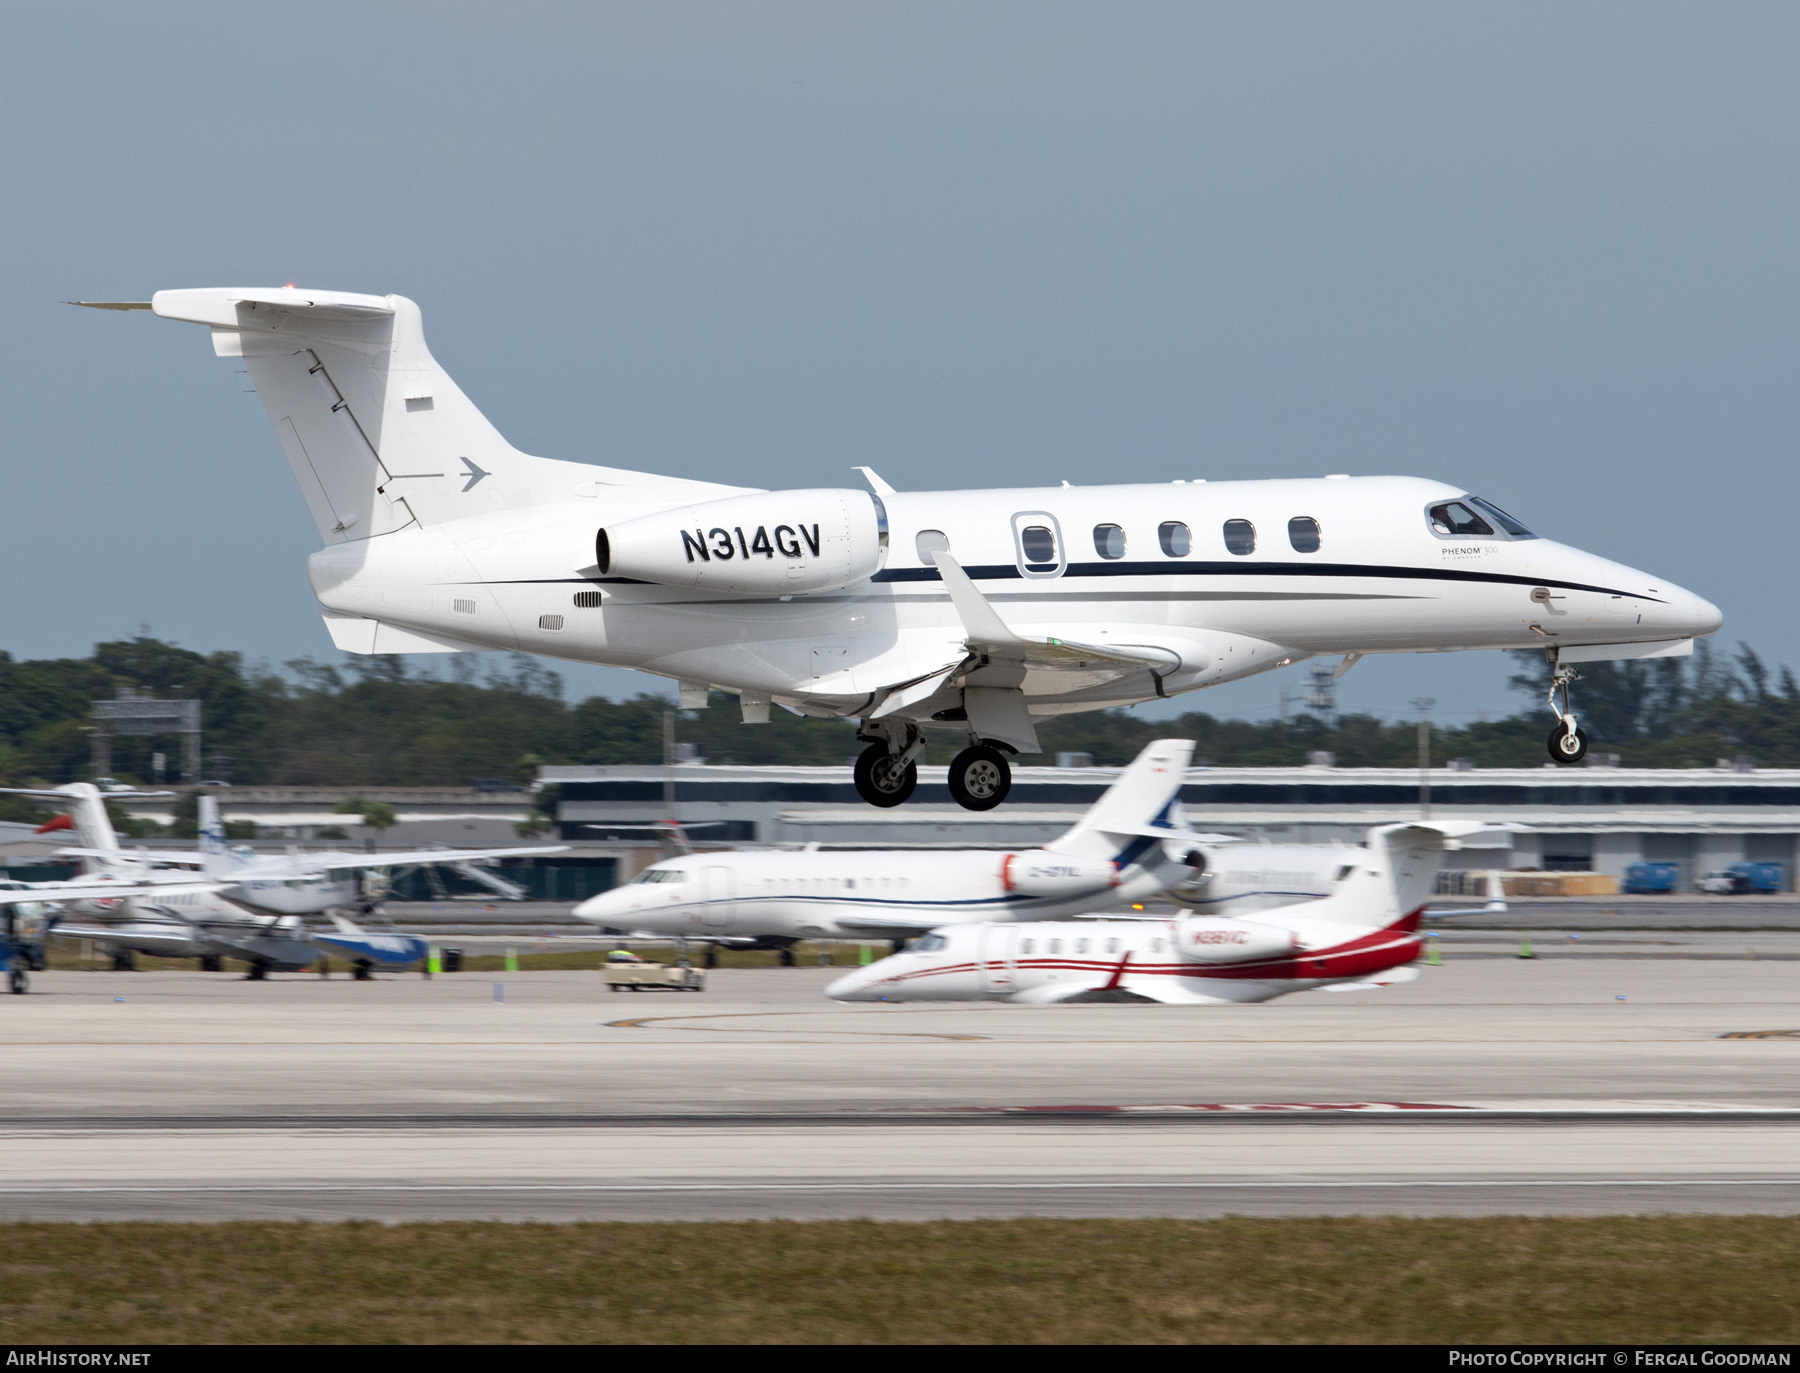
(1424, 704)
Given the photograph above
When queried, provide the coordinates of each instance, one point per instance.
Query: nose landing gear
(1568, 741)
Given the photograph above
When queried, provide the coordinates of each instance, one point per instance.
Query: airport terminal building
(1593, 819)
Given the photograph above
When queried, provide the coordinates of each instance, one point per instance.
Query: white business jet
(1132, 845)
(302, 883)
(973, 613)
(1363, 934)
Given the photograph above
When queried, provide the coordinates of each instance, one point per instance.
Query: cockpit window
(1472, 517)
(930, 943)
(1454, 517)
(1501, 518)
(650, 876)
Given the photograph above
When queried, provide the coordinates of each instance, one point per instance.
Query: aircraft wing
(417, 857)
(891, 925)
(990, 636)
(186, 858)
(91, 890)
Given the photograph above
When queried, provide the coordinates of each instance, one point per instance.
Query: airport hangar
(1590, 819)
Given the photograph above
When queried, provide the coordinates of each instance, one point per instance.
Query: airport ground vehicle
(972, 613)
(1650, 879)
(638, 974)
(1742, 879)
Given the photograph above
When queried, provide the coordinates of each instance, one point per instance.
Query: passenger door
(994, 959)
(718, 897)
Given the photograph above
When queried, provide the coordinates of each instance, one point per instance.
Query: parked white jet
(301, 883)
(169, 914)
(975, 613)
(1363, 934)
(1131, 845)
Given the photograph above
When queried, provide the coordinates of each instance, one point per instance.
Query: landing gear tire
(211, 963)
(259, 972)
(18, 983)
(879, 782)
(1566, 747)
(980, 777)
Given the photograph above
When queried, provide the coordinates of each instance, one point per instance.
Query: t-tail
(213, 847)
(1136, 811)
(1394, 882)
(85, 813)
(378, 435)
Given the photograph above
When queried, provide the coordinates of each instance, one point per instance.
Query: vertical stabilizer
(213, 847)
(1145, 797)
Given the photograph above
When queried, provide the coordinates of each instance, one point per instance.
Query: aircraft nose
(595, 908)
(853, 986)
(1703, 615)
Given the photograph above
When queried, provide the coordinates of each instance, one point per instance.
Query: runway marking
(639, 1022)
(1762, 1034)
(1148, 1185)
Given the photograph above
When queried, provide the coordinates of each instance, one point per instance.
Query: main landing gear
(980, 777)
(887, 771)
(1568, 741)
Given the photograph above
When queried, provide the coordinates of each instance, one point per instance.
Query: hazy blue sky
(1548, 251)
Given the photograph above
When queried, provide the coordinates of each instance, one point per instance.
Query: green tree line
(385, 721)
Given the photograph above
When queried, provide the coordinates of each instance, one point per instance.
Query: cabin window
(1056, 946)
(1025, 947)
(1303, 534)
(1156, 946)
(1038, 542)
(1173, 536)
(929, 541)
(1109, 541)
(1240, 537)
(1453, 518)
(1081, 946)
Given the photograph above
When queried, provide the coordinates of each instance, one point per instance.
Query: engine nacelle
(1038, 872)
(771, 543)
(1208, 939)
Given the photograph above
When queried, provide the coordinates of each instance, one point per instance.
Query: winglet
(873, 478)
(111, 304)
(981, 622)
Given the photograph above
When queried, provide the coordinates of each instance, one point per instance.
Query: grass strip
(1610, 1279)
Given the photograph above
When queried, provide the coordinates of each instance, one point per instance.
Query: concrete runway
(205, 1096)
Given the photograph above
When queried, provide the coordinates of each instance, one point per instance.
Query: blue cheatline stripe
(1181, 568)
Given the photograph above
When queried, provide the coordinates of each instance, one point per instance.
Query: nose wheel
(980, 777)
(1568, 745)
(1568, 741)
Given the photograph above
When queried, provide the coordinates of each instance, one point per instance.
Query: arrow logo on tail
(475, 475)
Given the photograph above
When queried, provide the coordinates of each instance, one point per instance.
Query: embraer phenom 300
(973, 613)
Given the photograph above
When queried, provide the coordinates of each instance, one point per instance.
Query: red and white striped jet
(1365, 933)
